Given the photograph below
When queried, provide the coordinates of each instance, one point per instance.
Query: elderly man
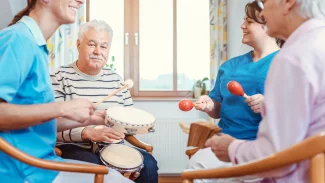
(87, 78)
(294, 106)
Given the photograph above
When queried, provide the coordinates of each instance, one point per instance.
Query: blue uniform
(25, 80)
(236, 117)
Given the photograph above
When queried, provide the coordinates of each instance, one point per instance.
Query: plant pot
(197, 92)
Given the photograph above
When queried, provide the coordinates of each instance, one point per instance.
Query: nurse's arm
(215, 113)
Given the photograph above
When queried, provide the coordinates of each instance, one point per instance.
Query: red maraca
(186, 105)
(236, 89)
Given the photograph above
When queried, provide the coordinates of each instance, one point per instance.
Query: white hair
(98, 25)
(311, 8)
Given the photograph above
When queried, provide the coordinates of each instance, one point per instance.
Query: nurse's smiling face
(65, 11)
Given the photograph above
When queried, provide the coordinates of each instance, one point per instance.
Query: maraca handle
(245, 96)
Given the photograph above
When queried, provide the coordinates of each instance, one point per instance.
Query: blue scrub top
(236, 117)
(25, 80)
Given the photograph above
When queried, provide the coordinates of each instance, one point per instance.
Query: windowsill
(161, 98)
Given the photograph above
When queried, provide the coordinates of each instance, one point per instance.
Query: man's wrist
(85, 133)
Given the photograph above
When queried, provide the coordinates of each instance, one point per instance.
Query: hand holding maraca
(255, 102)
(204, 103)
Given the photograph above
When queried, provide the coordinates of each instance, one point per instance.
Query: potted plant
(112, 64)
(199, 87)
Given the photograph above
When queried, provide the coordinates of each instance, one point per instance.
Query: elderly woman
(294, 106)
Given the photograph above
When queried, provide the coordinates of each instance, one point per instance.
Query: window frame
(131, 52)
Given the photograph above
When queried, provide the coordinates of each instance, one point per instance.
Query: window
(163, 45)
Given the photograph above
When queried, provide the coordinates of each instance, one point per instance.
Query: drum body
(130, 120)
(128, 161)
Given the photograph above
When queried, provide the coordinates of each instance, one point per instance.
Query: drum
(126, 160)
(130, 120)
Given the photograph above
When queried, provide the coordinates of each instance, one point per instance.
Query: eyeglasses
(260, 4)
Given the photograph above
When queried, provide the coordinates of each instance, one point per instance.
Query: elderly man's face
(272, 14)
(94, 49)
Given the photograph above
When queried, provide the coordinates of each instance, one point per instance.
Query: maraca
(236, 89)
(186, 105)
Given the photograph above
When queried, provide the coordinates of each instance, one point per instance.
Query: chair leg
(99, 178)
(317, 168)
(187, 181)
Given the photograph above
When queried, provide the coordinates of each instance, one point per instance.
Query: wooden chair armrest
(191, 152)
(51, 165)
(58, 152)
(137, 143)
(307, 149)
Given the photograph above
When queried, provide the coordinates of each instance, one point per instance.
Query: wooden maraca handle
(110, 95)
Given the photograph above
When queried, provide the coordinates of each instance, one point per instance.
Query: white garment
(206, 159)
(113, 176)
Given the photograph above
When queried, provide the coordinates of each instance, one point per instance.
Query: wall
(235, 15)
(9, 8)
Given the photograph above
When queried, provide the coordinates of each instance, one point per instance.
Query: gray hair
(98, 25)
(311, 8)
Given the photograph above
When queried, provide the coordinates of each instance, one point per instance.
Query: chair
(98, 170)
(137, 143)
(312, 148)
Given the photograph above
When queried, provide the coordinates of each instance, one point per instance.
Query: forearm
(15, 117)
(66, 124)
(215, 113)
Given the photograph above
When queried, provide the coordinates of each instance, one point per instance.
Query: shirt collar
(305, 27)
(35, 30)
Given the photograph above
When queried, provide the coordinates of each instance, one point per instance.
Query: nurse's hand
(79, 110)
(255, 102)
(204, 103)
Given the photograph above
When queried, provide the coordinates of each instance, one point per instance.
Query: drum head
(121, 156)
(130, 115)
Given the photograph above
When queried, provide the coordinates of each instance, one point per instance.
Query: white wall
(235, 15)
(8, 9)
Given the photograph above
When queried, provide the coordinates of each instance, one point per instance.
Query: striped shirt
(70, 83)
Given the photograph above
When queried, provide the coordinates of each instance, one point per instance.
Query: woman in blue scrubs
(27, 106)
(239, 117)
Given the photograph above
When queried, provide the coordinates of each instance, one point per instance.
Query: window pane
(112, 12)
(156, 45)
(193, 42)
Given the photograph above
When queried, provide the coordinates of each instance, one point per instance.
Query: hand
(78, 110)
(204, 103)
(101, 133)
(98, 118)
(255, 102)
(219, 145)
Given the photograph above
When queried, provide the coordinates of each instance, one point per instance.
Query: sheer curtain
(218, 36)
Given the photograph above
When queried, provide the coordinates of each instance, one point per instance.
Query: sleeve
(16, 60)
(127, 98)
(215, 93)
(58, 86)
(72, 135)
(286, 110)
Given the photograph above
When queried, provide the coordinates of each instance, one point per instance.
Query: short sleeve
(16, 59)
(215, 93)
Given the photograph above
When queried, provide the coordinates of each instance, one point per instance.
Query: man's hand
(255, 102)
(101, 133)
(219, 145)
